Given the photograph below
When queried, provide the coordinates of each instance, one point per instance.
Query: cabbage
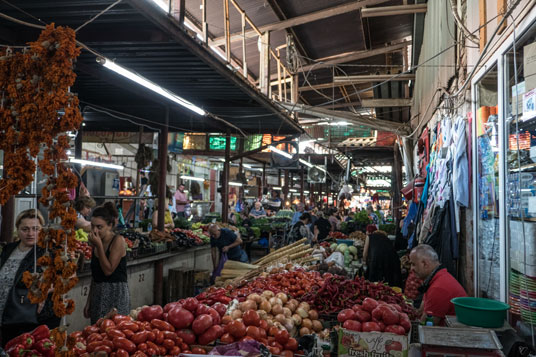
(342, 247)
(352, 250)
(333, 247)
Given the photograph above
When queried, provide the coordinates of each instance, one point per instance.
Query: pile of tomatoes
(84, 249)
(121, 336)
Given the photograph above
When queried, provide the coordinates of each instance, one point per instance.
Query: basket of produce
(480, 312)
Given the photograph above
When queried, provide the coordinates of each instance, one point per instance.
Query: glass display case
(487, 186)
(520, 165)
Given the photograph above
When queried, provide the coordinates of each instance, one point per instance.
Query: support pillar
(285, 189)
(397, 185)
(225, 183)
(162, 160)
(302, 186)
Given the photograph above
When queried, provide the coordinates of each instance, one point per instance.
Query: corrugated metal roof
(154, 46)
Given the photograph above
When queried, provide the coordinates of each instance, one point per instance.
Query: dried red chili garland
(34, 91)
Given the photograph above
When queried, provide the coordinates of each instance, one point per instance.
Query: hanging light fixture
(149, 85)
(97, 164)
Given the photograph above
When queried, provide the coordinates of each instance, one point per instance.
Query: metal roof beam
(383, 103)
(394, 10)
(368, 78)
(353, 56)
(300, 20)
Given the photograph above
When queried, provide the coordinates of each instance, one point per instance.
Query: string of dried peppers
(36, 110)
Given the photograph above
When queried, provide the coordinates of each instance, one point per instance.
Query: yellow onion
(313, 314)
(282, 296)
(277, 309)
(301, 311)
(236, 314)
(287, 312)
(307, 323)
(305, 306)
(297, 319)
(265, 306)
(268, 294)
(248, 305)
(255, 297)
(317, 326)
(280, 318)
(305, 331)
(275, 301)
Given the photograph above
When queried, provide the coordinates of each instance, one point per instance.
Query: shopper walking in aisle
(300, 230)
(83, 206)
(333, 219)
(383, 262)
(223, 240)
(297, 214)
(439, 286)
(322, 227)
(181, 200)
(17, 313)
(109, 287)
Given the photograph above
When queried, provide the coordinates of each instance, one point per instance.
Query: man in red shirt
(439, 286)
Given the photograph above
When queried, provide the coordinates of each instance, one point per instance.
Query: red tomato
(251, 318)
(227, 338)
(287, 353)
(282, 337)
(273, 331)
(274, 350)
(237, 329)
(106, 324)
(253, 332)
(198, 351)
(292, 344)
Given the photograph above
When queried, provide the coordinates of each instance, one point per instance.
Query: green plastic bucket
(480, 312)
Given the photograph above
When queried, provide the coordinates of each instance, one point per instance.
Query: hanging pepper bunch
(36, 111)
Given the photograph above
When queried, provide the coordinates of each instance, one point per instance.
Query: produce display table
(141, 274)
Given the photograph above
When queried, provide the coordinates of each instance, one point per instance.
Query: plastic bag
(219, 268)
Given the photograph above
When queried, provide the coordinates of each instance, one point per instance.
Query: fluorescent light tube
(149, 85)
(161, 5)
(192, 178)
(280, 152)
(306, 192)
(321, 168)
(276, 188)
(306, 163)
(98, 164)
(238, 184)
(292, 190)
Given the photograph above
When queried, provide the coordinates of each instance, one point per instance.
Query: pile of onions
(278, 310)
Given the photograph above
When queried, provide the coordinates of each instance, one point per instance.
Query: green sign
(218, 143)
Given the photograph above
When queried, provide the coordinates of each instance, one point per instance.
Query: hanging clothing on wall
(460, 169)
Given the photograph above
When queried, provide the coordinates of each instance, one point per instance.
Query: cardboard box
(373, 344)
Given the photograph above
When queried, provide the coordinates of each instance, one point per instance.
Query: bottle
(429, 319)
(149, 227)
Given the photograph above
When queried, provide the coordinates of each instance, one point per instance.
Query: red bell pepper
(16, 350)
(40, 332)
(32, 353)
(26, 340)
(45, 347)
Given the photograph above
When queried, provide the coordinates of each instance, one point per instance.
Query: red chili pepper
(45, 347)
(40, 332)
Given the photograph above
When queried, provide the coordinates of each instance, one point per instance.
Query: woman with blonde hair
(17, 313)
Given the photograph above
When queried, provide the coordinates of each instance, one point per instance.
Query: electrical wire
(97, 16)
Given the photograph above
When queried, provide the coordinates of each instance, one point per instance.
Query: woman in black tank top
(109, 288)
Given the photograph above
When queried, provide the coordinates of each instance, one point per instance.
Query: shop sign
(116, 137)
(377, 344)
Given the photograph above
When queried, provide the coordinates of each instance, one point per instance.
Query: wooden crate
(180, 284)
